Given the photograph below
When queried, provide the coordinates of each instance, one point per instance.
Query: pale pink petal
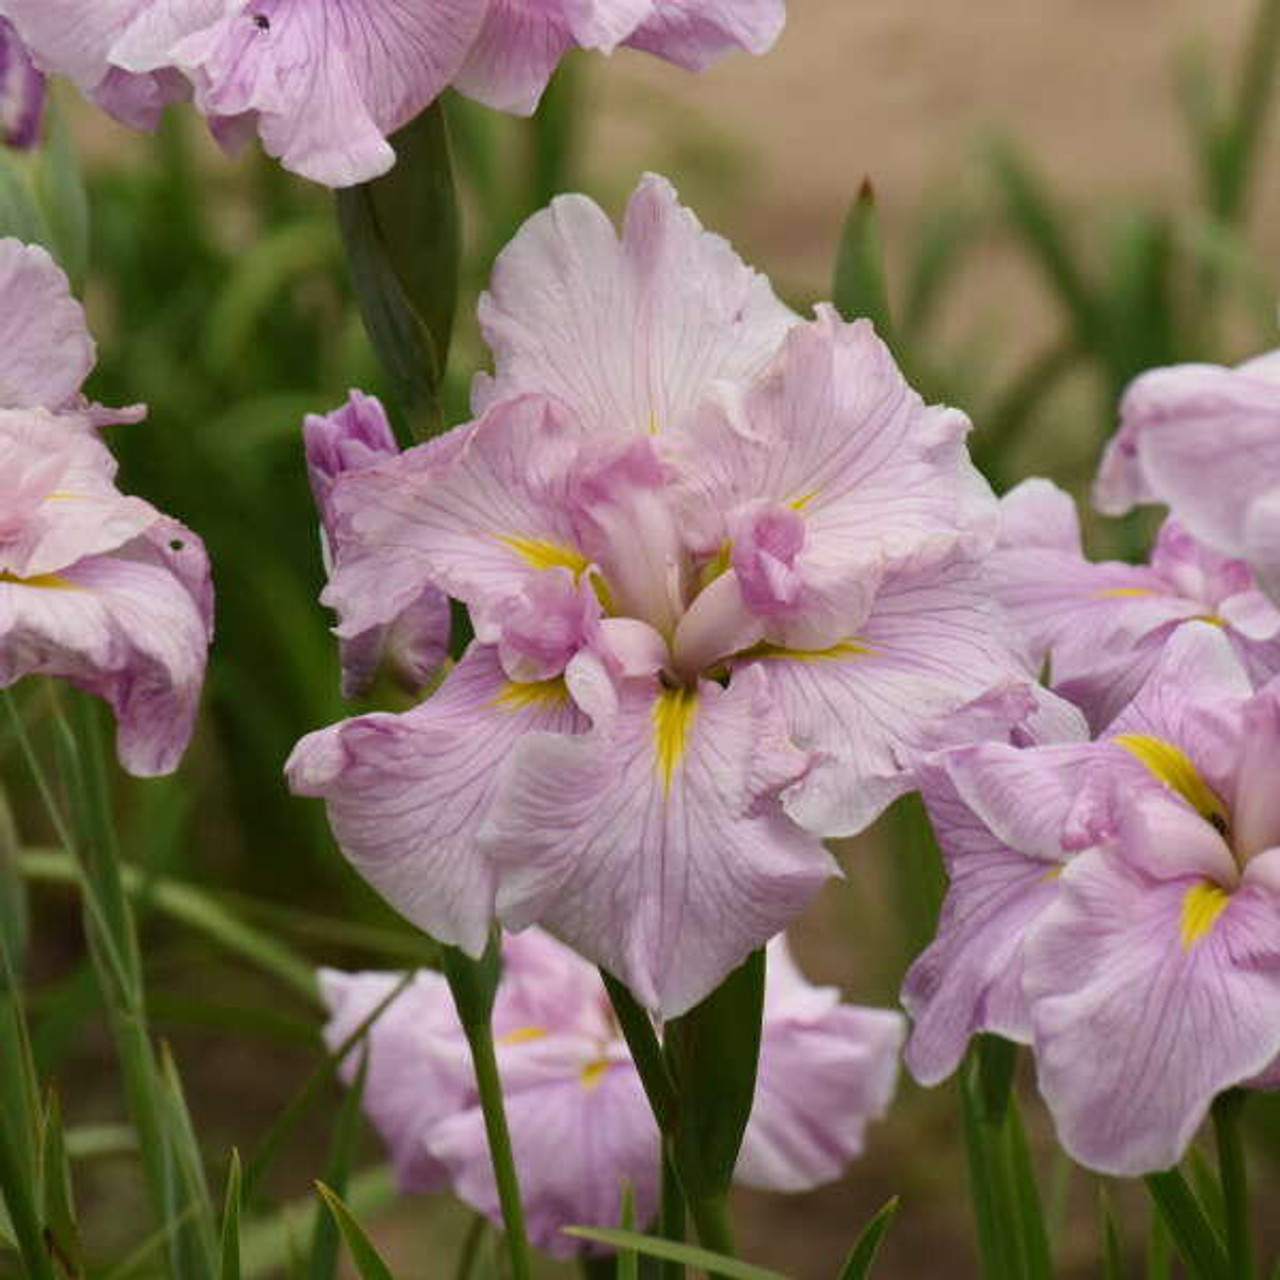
(871, 706)
(329, 82)
(46, 352)
(575, 1138)
(1255, 808)
(125, 627)
(481, 526)
(694, 33)
(631, 332)
(406, 794)
(419, 1067)
(1138, 1027)
(826, 1070)
(656, 844)
(1036, 513)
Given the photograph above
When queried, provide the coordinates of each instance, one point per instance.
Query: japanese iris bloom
(413, 638)
(95, 587)
(1205, 440)
(580, 1123)
(1100, 627)
(324, 82)
(1115, 904)
(723, 572)
(22, 92)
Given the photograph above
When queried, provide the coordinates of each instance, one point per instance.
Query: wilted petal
(656, 844)
(22, 92)
(629, 333)
(1145, 1008)
(406, 794)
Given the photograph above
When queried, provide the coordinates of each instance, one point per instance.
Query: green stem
(480, 1038)
(473, 984)
(711, 1219)
(671, 1219)
(1184, 1219)
(1235, 1187)
(646, 1051)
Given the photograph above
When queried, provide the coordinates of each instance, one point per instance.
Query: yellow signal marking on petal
(521, 1035)
(799, 504)
(1201, 907)
(516, 695)
(672, 717)
(1172, 766)
(1211, 618)
(716, 566)
(850, 648)
(1115, 592)
(542, 553)
(593, 1073)
(48, 581)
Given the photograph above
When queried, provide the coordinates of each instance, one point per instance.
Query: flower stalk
(1227, 1109)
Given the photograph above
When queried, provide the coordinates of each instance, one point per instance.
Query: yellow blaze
(593, 1073)
(1116, 592)
(522, 1034)
(49, 581)
(544, 554)
(516, 695)
(1171, 765)
(1203, 904)
(672, 717)
(850, 648)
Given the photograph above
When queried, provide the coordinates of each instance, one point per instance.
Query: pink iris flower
(1114, 904)
(324, 82)
(414, 640)
(1205, 440)
(22, 92)
(95, 587)
(580, 1123)
(1100, 627)
(723, 569)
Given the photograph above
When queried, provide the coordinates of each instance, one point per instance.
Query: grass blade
(323, 1261)
(863, 1254)
(1193, 1236)
(715, 1264)
(860, 288)
(229, 1259)
(368, 1261)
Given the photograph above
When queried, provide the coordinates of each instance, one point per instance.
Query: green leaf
(61, 1233)
(474, 983)
(198, 910)
(688, 1255)
(860, 289)
(20, 214)
(402, 238)
(14, 915)
(60, 190)
(1193, 1236)
(713, 1052)
(323, 1261)
(646, 1051)
(366, 1258)
(863, 1254)
(1112, 1254)
(628, 1261)
(229, 1259)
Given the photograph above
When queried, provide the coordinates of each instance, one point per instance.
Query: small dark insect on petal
(262, 22)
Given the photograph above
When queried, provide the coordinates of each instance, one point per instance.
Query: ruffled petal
(873, 704)
(406, 794)
(694, 33)
(656, 845)
(1148, 999)
(46, 352)
(419, 1070)
(628, 332)
(127, 627)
